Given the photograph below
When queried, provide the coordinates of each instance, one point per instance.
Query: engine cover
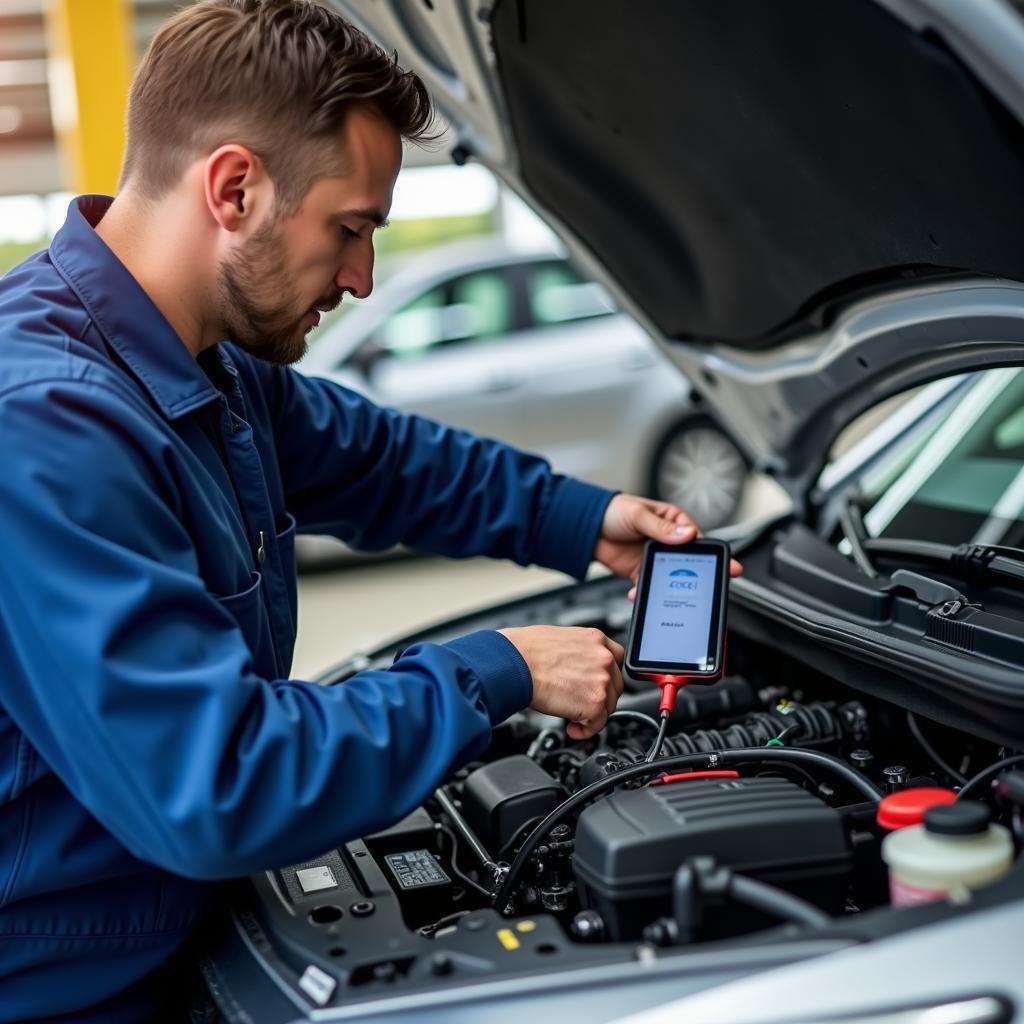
(629, 845)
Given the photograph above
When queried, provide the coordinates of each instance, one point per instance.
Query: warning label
(416, 869)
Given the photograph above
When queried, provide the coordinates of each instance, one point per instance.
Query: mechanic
(159, 455)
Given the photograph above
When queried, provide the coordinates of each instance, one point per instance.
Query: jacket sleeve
(136, 686)
(375, 477)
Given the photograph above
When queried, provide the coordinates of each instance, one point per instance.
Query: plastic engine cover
(629, 845)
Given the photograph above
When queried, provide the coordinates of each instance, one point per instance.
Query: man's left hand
(629, 521)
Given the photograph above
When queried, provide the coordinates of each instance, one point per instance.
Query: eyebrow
(372, 214)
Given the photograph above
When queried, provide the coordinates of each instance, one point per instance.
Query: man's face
(274, 286)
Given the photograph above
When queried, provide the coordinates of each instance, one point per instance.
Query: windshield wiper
(975, 563)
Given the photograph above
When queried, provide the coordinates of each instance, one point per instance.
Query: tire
(698, 468)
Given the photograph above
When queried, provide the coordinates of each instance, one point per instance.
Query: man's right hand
(575, 673)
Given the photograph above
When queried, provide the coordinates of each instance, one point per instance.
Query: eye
(347, 232)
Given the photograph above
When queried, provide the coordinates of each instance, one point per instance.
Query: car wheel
(698, 468)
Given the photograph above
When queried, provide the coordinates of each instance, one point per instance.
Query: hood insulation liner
(742, 166)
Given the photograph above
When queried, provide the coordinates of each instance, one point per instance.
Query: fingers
(735, 569)
(616, 687)
(575, 673)
(614, 690)
(590, 727)
(668, 523)
(616, 648)
(578, 731)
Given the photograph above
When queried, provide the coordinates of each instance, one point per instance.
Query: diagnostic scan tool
(678, 630)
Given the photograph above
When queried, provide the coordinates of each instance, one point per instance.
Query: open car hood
(810, 206)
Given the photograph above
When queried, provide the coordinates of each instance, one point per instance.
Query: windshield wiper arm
(975, 563)
(851, 522)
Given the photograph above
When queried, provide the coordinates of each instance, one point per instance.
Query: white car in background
(514, 343)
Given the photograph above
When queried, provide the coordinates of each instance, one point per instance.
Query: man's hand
(575, 673)
(629, 521)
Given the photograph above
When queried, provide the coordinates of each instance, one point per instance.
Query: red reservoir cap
(907, 806)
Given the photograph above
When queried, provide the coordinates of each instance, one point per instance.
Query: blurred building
(35, 82)
(30, 80)
(64, 76)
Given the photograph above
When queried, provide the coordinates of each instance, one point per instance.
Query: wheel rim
(702, 471)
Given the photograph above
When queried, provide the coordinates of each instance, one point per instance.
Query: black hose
(915, 731)
(984, 776)
(717, 759)
(776, 902)
(813, 724)
(634, 716)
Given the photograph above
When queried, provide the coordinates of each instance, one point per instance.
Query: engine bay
(752, 835)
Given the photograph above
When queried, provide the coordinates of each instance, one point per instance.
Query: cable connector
(659, 740)
(670, 686)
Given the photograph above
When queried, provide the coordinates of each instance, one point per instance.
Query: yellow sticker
(526, 926)
(507, 938)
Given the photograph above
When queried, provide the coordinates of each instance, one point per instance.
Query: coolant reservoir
(907, 807)
(956, 849)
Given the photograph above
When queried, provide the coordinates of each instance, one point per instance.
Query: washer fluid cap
(964, 818)
(907, 806)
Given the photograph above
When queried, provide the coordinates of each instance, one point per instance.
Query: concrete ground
(358, 607)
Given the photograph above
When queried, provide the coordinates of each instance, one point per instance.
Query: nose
(355, 274)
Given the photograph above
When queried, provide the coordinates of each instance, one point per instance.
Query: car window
(415, 327)
(957, 476)
(557, 293)
(471, 307)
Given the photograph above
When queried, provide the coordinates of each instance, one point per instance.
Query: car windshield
(957, 476)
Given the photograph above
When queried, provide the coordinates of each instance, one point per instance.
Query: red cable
(663, 780)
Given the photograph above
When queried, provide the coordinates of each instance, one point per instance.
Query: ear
(237, 187)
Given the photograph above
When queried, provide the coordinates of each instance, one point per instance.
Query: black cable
(915, 731)
(787, 732)
(716, 759)
(776, 902)
(659, 739)
(984, 776)
(462, 827)
(634, 716)
(455, 867)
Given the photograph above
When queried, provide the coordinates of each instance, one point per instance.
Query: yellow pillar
(91, 60)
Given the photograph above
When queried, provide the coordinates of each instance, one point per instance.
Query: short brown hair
(277, 76)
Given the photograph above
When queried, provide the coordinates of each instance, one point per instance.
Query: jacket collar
(125, 314)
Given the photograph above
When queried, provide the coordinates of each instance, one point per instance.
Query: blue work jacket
(150, 740)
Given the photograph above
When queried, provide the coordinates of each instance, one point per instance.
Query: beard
(270, 332)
